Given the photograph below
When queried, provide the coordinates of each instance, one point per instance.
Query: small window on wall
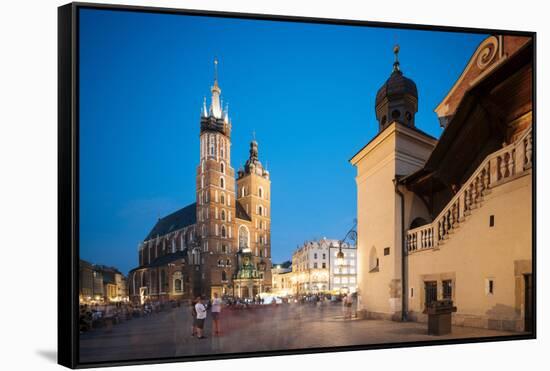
(447, 289)
(430, 290)
(222, 183)
(489, 286)
(374, 263)
(260, 192)
(222, 168)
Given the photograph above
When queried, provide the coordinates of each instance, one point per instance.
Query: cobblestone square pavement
(266, 328)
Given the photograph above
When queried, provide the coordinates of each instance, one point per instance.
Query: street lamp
(340, 257)
(352, 235)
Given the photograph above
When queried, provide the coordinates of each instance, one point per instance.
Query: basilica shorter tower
(221, 243)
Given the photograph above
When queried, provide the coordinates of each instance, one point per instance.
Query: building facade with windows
(99, 283)
(451, 218)
(281, 281)
(221, 243)
(315, 268)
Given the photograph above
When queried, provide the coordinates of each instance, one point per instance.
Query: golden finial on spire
(215, 69)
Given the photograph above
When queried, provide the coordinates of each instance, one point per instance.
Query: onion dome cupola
(397, 99)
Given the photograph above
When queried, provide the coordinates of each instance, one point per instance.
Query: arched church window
(222, 183)
(395, 114)
(222, 148)
(222, 199)
(212, 146)
(177, 285)
(260, 210)
(260, 192)
(244, 237)
(223, 214)
(223, 229)
(222, 167)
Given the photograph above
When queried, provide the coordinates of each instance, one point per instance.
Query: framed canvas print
(238, 185)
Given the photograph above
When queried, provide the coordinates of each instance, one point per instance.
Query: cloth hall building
(221, 243)
(451, 218)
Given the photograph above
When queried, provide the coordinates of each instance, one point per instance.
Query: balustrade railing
(498, 167)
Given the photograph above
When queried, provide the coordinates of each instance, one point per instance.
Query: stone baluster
(486, 177)
(423, 237)
(519, 162)
(461, 205)
(478, 189)
(511, 162)
(493, 170)
(503, 166)
(473, 196)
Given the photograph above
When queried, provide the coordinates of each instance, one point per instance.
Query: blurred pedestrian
(193, 317)
(201, 318)
(216, 311)
(348, 302)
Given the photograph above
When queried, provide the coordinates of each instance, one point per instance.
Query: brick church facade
(221, 243)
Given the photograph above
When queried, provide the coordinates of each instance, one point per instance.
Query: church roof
(177, 220)
(241, 212)
(163, 260)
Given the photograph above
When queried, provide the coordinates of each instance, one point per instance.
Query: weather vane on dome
(396, 52)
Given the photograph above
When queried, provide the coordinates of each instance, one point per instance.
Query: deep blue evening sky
(307, 90)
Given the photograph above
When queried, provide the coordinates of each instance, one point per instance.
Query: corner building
(221, 243)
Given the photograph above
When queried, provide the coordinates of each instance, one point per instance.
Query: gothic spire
(215, 105)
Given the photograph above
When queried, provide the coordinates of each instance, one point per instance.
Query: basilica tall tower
(216, 196)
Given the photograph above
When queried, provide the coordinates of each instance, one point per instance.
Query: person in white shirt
(216, 310)
(201, 317)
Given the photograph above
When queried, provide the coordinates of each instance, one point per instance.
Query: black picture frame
(68, 181)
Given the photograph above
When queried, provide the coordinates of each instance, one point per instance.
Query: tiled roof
(177, 220)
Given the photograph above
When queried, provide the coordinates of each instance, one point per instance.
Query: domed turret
(397, 99)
